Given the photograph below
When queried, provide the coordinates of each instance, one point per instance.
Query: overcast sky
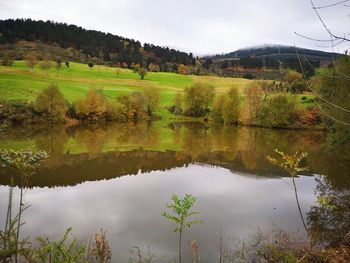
(198, 26)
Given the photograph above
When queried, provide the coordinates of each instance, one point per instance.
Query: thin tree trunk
(180, 243)
(19, 222)
(8, 215)
(299, 208)
(302, 219)
(9, 209)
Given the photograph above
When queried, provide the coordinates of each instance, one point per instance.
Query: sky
(203, 27)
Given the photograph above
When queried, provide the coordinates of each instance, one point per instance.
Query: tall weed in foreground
(59, 251)
(10, 244)
(100, 250)
(292, 165)
(181, 211)
(25, 162)
(140, 258)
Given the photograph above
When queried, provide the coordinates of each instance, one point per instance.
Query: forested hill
(277, 52)
(92, 44)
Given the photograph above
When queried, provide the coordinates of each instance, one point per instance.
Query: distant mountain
(20, 38)
(277, 52)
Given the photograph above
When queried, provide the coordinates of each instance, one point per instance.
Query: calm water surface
(119, 178)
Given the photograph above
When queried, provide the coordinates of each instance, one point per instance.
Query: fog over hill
(276, 51)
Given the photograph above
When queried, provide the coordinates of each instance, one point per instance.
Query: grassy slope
(21, 83)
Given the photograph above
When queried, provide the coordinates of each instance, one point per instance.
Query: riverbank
(123, 97)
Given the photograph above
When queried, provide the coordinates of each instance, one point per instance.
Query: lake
(120, 177)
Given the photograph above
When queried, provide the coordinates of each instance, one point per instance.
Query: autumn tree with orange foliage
(31, 60)
(182, 69)
(292, 76)
(153, 67)
(93, 106)
(254, 100)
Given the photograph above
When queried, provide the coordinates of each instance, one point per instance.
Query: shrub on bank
(198, 98)
(292, 76)
(297, 87)
(310, 116)
(176, 107)
(93, 107)
(226, 107)
(7, 59)
(216, 112)
(116, 111)
(254, 98)
(278, 111)
(18, 113)
(231, 107)
(4, 108)
(139, 105)
(134, 106)
(51, 104)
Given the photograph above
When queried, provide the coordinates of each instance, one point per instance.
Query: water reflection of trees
(97, 138)
(196, 140)
(249, 146)
(240, 149)
(128, 148)
(141, 135)
(330, 221)
(93, 137)
(52, 139)
(225, 139)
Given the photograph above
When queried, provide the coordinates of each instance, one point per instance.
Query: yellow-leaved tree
(93, 107)
(52, 104)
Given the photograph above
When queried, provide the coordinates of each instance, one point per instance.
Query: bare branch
(332, 45)
(335, 65)
(331, 5)
(313, 39)
(325, 26)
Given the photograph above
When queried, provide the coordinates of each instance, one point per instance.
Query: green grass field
(22, 83)
(19, 82)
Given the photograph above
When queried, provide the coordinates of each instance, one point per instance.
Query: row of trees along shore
(51, 106)
(265, 102)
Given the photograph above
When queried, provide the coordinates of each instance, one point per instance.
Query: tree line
(264, 103)
(50, 106)
(308, 66)
(103, 46)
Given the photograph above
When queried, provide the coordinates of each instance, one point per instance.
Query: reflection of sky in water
(130, 207)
